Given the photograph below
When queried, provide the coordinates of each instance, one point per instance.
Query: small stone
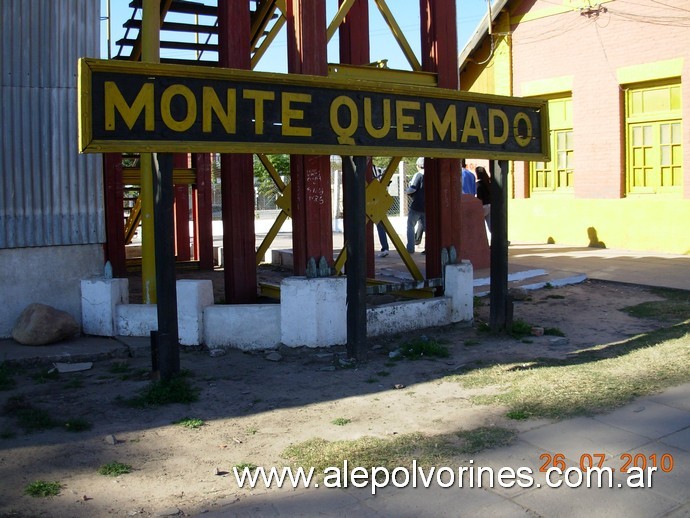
(215, 353)
(274, 356)
(398, 386)
(111, 439)
(537, 331)
(173, 511)
(394, 354)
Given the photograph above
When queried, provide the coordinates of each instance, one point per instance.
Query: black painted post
(354, 170)
(168, 346)
(500, 314)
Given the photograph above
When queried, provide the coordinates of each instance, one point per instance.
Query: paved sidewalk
(655, 427)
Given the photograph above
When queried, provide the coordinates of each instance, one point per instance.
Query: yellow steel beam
(338, 18)
(133, 221)
(402, 251)
(384, 75)
(271, 171)
(150, 52)
(269, 290)
(398, 35)
(270, 236)
(283, 202)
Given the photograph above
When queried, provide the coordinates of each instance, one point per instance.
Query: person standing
(469, 182)
(484, 193)
(417, 211)
(380, 228)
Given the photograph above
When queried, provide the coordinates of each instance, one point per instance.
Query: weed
(114, 469)
(42, 489)
(341, 421)
(77, 425)
(554, 296)
(423, 348)
(518, 415)
(674, 308)
(7, 434)
(46, 375)
(242, 466)
(74, 383)
(471, 342)
(383, 374)
(553, 331)
(478, 302)
(29, 418)
(157, 393)
(7, 382)
(119, 368)
(371, 380)
(251, 431)
(519, 329)
(190, 422)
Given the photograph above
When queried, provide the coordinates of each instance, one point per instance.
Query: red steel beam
(354, 50)
(202, 208)
(114, 214)
(237, 175)
(181, 212)
(442, 180)
(312, 235)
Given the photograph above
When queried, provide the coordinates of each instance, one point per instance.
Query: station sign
(143, 107)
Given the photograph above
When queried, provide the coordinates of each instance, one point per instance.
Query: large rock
(40, 324)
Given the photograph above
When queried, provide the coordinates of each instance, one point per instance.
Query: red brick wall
(591, 50)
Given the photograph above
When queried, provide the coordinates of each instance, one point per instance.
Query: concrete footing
(312, 313)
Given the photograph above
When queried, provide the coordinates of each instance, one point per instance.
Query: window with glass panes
(654, 145)
(556, 175)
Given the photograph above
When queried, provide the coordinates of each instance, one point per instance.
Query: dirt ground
(254, 407)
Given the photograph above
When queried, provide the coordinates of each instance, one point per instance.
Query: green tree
(264, 183)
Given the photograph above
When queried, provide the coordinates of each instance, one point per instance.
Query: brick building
(617, 78)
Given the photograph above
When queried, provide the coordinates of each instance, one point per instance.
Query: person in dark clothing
(484, 193)
(416, 214)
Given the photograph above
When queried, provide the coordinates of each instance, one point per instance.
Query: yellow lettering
(401, 120)
(288, 114)
(259, 97)
(166, 101)
(114, 100)
(386, 119)
(433, 122)
(523, 139)
(344, 132)
(211, 105)
(493, 115)
(472, 127)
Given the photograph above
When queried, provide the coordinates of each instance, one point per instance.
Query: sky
(383, 45)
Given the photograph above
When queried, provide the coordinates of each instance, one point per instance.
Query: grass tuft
(423, 347)
(77, 424)
(341, 421)
(594, 380)
(7, 382)
(114, 469)
(398, 451)
(43, 489)
(158, 393)
(190, 422)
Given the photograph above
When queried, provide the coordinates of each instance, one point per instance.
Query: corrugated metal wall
(49, 194)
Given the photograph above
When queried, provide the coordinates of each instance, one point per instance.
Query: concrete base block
(242, 326)
(408, 316)
(459, 287)
(193, 296)
(136, 319)
(99, 297)
(312, 311)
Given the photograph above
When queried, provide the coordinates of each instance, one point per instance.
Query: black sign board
(150, 107)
